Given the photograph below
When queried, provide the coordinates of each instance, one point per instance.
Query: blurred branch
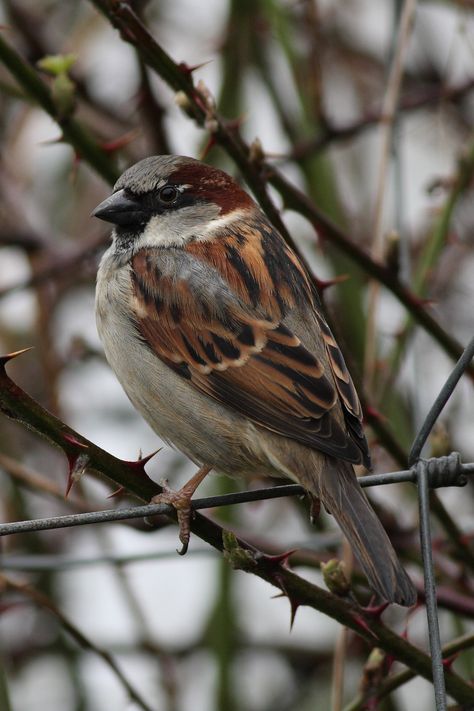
(430, 255)
(460, 183)
(462, 550)
(296, 200)
(4, 694)
(43, 601)
(27, 241)
(72, 131)
(17, 405)
(58, 562)
(424, 97)
(387, 127)
(60, 265)
(397, 680)
(152, 113)
(28, 21)
(38, 483)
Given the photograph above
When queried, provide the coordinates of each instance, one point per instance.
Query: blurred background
(375, 125)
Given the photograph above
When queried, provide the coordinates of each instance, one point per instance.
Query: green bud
(239, 558)
(56, 64)
(334, 574)
(64, 93)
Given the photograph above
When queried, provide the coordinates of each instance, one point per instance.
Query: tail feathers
(343, 497)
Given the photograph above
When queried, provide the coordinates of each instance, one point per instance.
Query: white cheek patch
(162, 231)
(177, 227)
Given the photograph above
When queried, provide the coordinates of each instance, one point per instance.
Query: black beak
(121, 210)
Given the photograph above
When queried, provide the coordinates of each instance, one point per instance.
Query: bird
(215, 330)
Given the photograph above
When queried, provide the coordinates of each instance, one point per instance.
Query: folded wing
(206, 326)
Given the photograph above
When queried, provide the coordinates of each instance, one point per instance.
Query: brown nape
(212, 185)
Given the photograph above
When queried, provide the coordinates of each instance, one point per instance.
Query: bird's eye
(168, 194)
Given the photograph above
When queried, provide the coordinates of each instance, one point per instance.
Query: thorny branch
(387, 685)
(17, 405)
(333, 133)
(250, 159)
(43, 601)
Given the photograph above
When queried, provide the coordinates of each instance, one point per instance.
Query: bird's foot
(181, 502)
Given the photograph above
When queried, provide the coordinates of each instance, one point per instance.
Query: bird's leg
(181, 501)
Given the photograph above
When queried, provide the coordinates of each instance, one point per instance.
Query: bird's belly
(203, 429)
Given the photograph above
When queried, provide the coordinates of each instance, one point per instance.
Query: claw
(181, 502)
(184, 548)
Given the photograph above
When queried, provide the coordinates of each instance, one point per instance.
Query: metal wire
(444, 475)
(432, 473)
(430, 586)
(422, 470)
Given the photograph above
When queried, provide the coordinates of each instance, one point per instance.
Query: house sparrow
(216, 333)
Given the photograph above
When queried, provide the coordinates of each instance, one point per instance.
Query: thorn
(141, 461)
(375, 611)
(188, 70)
(324, 284)
(359, 620)
(53, 141)
(371, 413)
(294, 609)
(138, 466)
(127, 34)
(209, 145)
(117, 492)
(73, 440)
(294, 603)
(279, 559)
(69, 484)
(78, 464)
(10, 356)
(120, 142)
(449, 661)
(420, 301)
(199, 101)
(235, 123)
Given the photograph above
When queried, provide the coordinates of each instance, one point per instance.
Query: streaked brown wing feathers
(243, 358)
